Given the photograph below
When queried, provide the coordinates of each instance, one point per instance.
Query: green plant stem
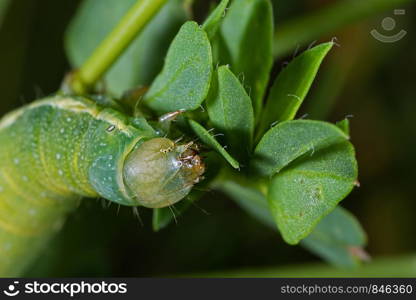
(305, 29)
(114, 44)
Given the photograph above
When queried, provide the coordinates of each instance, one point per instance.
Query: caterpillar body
(59, 149)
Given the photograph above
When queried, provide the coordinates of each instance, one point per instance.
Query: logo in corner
(11, 290)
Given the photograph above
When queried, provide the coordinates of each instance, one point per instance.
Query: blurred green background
(363, 77)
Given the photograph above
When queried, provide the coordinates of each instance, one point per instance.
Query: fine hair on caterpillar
(59, 149)
(160, 172)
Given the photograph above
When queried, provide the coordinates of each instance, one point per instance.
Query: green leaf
(289, 140)
(292, 85)
(251, 200)
(210, 141)
(336, 237)
(212, 23)
(247, 34)
(162, 217)
(4, 4)
(141, 62)
(332, 239)
(344, 125)
(332, 81)
(393, 266)
(310, 188)
(185, 78)
(230, 110)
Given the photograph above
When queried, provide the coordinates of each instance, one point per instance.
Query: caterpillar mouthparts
(160, 173)
(61, 148)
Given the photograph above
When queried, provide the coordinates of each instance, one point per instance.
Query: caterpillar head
(159, 172)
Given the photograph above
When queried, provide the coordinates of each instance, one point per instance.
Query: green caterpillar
(59, 149)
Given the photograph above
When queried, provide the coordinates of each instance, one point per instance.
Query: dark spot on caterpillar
(111, 128)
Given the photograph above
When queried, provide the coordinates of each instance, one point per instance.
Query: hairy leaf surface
(332, 239)
(289, 140)
(213, 21)
(336, 237)
(186, 75)
(310, 188)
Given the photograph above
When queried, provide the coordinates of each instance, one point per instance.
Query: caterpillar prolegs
(59, 149)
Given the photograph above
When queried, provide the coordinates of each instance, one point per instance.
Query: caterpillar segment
(59, 149)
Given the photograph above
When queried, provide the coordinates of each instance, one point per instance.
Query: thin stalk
(114, 44)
